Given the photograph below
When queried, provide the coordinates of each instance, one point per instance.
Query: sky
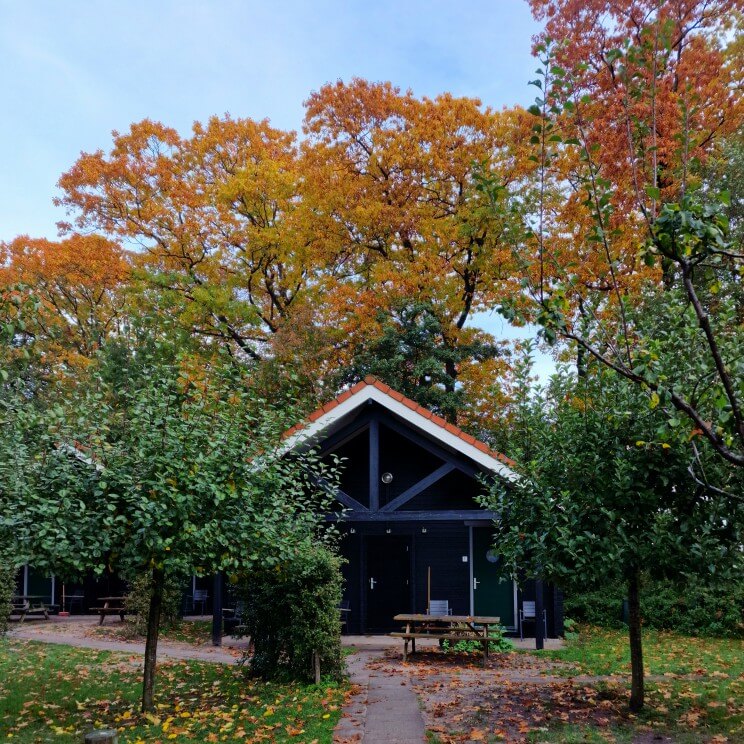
(73, 71)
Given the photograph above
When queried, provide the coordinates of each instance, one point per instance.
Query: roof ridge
(372, 381)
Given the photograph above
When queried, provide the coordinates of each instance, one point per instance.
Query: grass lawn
(696, 690)
(54, 693)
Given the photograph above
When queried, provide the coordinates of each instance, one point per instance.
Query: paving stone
(391, 712)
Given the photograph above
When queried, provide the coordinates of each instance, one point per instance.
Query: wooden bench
(103, 611)
(447, 628)
(22, 610)
(111, 606)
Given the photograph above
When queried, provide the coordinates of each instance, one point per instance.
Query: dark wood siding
(455, 491)
(354, 465)
(442, 548)
(351, 570)
(407, 462)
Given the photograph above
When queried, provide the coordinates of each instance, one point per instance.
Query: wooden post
(316, 666)
(428, 590)
(374, 465)
(217, 610)
(102, 736)
(539, 625)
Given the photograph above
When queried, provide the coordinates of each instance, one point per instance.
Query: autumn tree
(624, 255)
(78, 284)
(397, 209)
(286, 251)
(215, 216)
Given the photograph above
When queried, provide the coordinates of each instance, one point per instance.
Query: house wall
(441, 548)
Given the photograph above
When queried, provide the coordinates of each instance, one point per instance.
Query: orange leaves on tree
(78, 282)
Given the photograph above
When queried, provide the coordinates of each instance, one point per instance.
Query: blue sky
(72, 71)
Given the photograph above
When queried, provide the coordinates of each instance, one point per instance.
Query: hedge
(693, 609)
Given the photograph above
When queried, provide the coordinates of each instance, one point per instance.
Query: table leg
(405, 649)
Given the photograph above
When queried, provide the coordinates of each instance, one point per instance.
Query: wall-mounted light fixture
(388, 531)
(352, 531)
(387, 478)
(423, 530)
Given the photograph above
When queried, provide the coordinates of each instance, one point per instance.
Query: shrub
(570, 629)
(596, 607)
(694, 609)
(500, 643)
(291, 613)
(138, 602)
(7, 589)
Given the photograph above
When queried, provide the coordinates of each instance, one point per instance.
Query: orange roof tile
(382, 387)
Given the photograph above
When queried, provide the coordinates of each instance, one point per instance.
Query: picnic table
(29, 606)
(447, 627)
(111, 606)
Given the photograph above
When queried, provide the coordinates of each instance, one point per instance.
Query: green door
(491, 594)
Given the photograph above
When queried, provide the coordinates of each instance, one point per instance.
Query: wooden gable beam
(374, 465)
(345, 434)
(459, 462)
(418, 487)
(475, 516)
(342, 496)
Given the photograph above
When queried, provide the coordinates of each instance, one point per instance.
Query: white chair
(528, 613)
(439, 607)
(200, 597)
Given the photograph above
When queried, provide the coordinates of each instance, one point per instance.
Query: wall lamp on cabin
(423, 530)
(352, 531)
(387, 478)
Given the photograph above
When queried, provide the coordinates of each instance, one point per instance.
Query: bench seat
(469, 636)
(446, 635)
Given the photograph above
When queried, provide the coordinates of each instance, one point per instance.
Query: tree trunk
(450, 412)
(636, 649)
(151, 646)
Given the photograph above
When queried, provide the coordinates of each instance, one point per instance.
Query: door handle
(475, 583)
(372, 583)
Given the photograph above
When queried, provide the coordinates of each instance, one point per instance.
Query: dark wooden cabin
(412, 524)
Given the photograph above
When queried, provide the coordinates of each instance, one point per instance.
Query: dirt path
(81, 633)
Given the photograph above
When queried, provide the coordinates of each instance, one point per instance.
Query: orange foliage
(78, 282)
(659, 91)
(214, 215)
(646, 91)
(249, 233)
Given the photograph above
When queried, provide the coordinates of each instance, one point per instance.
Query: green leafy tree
(607, 495)
(412, 355)
(174, 470)
(18, 383)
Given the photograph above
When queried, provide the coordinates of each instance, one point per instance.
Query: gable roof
(333, 415)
